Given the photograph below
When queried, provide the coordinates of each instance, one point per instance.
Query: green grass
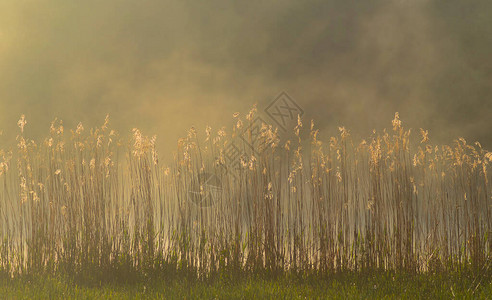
(376, 285)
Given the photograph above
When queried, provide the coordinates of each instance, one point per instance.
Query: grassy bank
(343, 286)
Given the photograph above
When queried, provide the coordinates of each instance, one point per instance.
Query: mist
(165, 66)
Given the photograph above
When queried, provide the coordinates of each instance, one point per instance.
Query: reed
(92, 205)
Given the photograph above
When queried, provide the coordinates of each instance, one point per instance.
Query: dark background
(166, 66)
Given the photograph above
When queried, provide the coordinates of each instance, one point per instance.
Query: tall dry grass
(86, 203)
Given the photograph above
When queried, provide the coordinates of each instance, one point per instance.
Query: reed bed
(85, 202)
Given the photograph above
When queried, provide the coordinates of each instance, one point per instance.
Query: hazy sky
(164, 66)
